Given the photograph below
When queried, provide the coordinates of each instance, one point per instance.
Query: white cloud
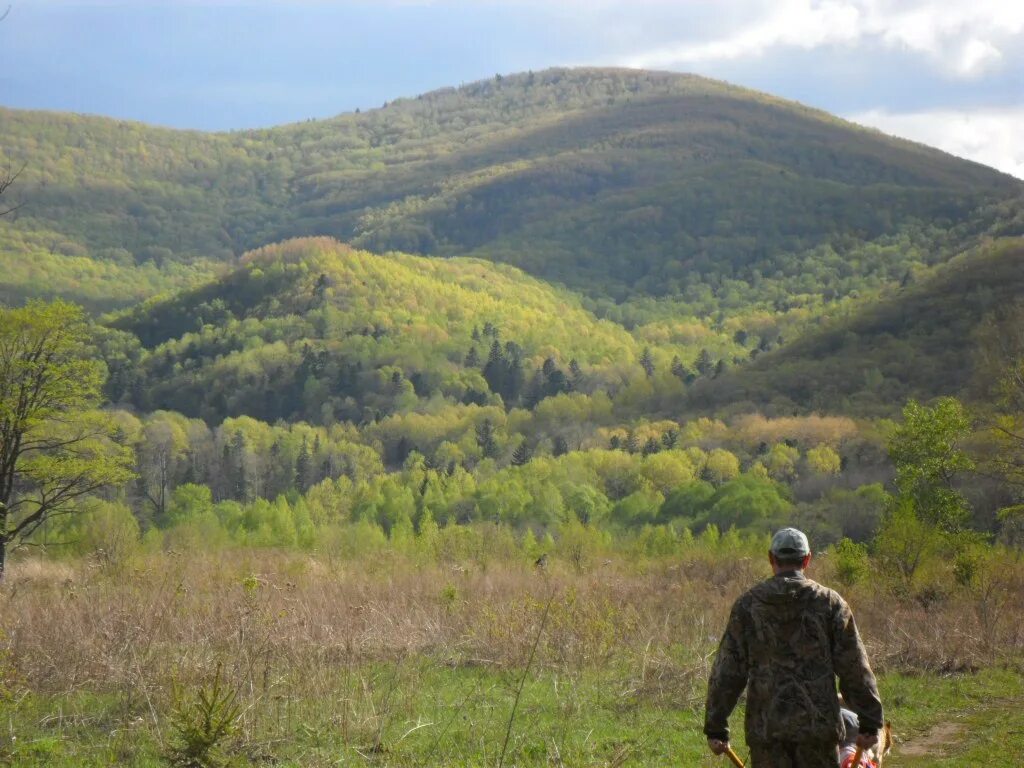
(963, 37)
(976, 56)
(994, 137)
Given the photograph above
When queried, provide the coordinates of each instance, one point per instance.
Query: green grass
(423, 712)
(978, 719)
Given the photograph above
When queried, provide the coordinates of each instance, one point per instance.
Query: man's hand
(717, 746)
(867, 740)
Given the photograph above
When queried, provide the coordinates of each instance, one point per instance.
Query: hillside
(316, 330)
(618, 183)
(918, 341)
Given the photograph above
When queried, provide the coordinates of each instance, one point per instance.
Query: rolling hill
(617, 183)
(314, 329)
(920, 341)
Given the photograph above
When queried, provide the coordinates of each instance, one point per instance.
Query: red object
(865, 762)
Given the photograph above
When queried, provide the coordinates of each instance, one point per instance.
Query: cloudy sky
(945, 72)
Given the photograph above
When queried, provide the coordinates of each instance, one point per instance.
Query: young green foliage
(55, 449)
(926, 450)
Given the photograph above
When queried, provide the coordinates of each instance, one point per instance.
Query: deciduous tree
(926, 450)
(55, 448)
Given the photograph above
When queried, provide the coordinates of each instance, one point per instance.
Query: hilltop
(314, 329)
(618, 183)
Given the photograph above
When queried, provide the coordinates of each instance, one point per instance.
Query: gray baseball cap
(789, 542)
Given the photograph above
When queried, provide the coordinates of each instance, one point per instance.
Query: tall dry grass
(294, 632)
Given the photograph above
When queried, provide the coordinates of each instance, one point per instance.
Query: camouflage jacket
(788, 639)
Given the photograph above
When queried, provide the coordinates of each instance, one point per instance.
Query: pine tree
(536, 391)
(485, 439)
(650, 447)
(472, 358)
(495, 370)
(560, 446)
(678, 369)
(521, 454)
(575, 374)
(647, 362)
(320, 288)
(632, 442)
(402, 449)
(556, 383)
(670, 438)
(704, 364)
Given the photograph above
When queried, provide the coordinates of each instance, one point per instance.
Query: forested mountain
(365, 380)
(313, 329)
(621, 184)
(577, 300)
(922, 339)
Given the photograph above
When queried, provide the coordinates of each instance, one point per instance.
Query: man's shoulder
(808, 589)
(824, 591)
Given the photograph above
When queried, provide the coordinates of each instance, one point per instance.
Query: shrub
(851, 562)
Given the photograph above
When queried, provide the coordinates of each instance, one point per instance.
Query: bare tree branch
(8, 177)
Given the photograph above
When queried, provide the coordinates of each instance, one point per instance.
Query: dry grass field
(313, 661)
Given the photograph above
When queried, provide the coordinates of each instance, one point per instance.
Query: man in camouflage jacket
(787, 641)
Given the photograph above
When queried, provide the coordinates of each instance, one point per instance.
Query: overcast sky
(949, 73)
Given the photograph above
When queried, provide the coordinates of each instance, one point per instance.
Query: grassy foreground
(427, 714)
(398, 663)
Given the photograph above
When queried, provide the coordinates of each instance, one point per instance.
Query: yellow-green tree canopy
(55, 447)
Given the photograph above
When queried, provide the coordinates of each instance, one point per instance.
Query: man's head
(789, 551)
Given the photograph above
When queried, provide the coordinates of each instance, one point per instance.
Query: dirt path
(935, 742)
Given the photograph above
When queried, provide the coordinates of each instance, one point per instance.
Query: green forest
(649, 305)
(599, 318)
(619, 184)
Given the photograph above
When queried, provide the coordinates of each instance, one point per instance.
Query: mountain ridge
(621, 184)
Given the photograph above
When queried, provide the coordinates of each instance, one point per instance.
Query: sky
(949, 73)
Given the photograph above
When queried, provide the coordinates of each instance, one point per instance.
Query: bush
(851, 562)
(109, 530)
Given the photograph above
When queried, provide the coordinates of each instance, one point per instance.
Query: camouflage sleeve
(728, 677)
(850, 663)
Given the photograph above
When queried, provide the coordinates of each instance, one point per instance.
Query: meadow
(271, 657)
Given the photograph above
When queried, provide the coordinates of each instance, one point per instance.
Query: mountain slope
(917, 341)
(616, 182)
(314, 329)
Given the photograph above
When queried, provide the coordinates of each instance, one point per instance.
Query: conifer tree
(678, 370)
(632, 442)
(704, 364)
(485, 439)
(647, 362)
(521, 454)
